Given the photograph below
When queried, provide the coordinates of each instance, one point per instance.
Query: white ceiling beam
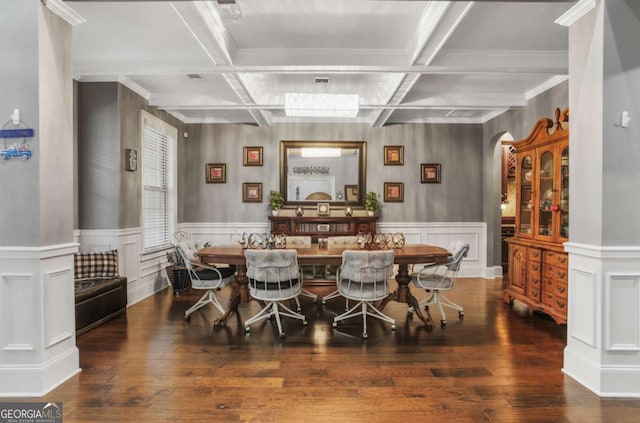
(431, 35)
(458, 102)
(238, 87)
(208, 29)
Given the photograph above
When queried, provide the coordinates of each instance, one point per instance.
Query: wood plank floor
(499, 364)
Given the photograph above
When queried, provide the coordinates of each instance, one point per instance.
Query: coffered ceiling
(409, 61)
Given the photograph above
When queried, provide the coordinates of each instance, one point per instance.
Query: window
(158, 182)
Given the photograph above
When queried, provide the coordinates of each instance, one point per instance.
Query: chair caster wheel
(299, 309)
(426, 308)
(364, 335)
(393, 327)
(461, 315)
(335, 324)
(187, 318)
(443, 323)
(282, 336)
(409, 315)
(247, 329)
(323, 302)
(304, 323)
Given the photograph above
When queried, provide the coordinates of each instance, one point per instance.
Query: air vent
(321, 79)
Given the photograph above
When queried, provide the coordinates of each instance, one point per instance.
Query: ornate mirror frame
(350, 147)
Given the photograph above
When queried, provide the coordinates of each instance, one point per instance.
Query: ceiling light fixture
(321, 104)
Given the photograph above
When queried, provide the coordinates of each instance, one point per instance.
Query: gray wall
(519, 123)
(56, 129)
(108, 121)
(98, 155)
(36, 195)
(19, 189)
(457, 147)
(621, 146)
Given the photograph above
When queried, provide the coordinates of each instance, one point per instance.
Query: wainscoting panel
(18, 293)
(59, 306)
(582, 305)
(622, 311)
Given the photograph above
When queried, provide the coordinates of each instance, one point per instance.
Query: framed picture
(130, 159)
(394, 192)
(430, 173)
(323, 209)
(252, 192)
(252, 156)
(216, 173)
(351, 193)
(393, 155)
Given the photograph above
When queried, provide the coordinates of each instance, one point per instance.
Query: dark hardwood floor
(499, 364)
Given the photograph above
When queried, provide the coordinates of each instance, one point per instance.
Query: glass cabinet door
(525, 217)
(564, 193)
(545, 195)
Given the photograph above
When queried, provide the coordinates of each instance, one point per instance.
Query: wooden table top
(409, 254)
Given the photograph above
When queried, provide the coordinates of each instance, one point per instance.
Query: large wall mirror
(314, 172)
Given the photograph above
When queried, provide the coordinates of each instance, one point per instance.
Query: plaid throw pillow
(96, 265)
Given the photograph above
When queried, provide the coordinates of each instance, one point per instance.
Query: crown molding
(548, 84)
(580, 9)
(64, 11)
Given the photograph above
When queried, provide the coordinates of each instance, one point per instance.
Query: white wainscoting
(440, 233)
(603, 328)
(37, 331)
(144, 272)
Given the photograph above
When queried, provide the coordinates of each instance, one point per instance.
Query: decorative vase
(348, 211)
(299, 211)
(370, 212)
(274, 212)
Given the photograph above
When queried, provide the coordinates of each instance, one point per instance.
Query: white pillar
(37, 320)
(603, 330)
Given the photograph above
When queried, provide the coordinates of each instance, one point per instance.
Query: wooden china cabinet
(537, 261)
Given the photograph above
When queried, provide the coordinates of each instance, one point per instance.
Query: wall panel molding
(622, 311)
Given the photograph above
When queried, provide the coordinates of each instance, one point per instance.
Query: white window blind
(158, 175)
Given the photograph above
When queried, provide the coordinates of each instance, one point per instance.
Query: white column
(603, 329)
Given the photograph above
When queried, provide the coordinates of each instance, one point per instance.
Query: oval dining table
(405, 256)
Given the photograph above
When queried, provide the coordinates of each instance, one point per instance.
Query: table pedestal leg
(239, 295)
(404, 295)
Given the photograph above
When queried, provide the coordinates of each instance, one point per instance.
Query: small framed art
(216, 173)
(394, 192)
(351, 193)
(252, 192)
(430, 173)
(252, 156)
(323, 209)
(393, 155)
(130, 159)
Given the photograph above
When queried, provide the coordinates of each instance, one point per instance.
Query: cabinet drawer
(556, 259)
(535, 254)
(558, 274)
(556, 288)
(363, 227)
(282, 227)
(535, 268)
(554, 302)
(534, 294)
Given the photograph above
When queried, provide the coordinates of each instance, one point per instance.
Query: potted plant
(371, 202)
(276, 200)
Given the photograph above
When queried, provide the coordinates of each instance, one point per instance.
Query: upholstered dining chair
(435, 278)
(330, 271)
(204, 277)
(274, 277)
(304, 242)
(363, 277)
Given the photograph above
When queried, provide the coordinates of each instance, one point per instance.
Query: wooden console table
(322, 226)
